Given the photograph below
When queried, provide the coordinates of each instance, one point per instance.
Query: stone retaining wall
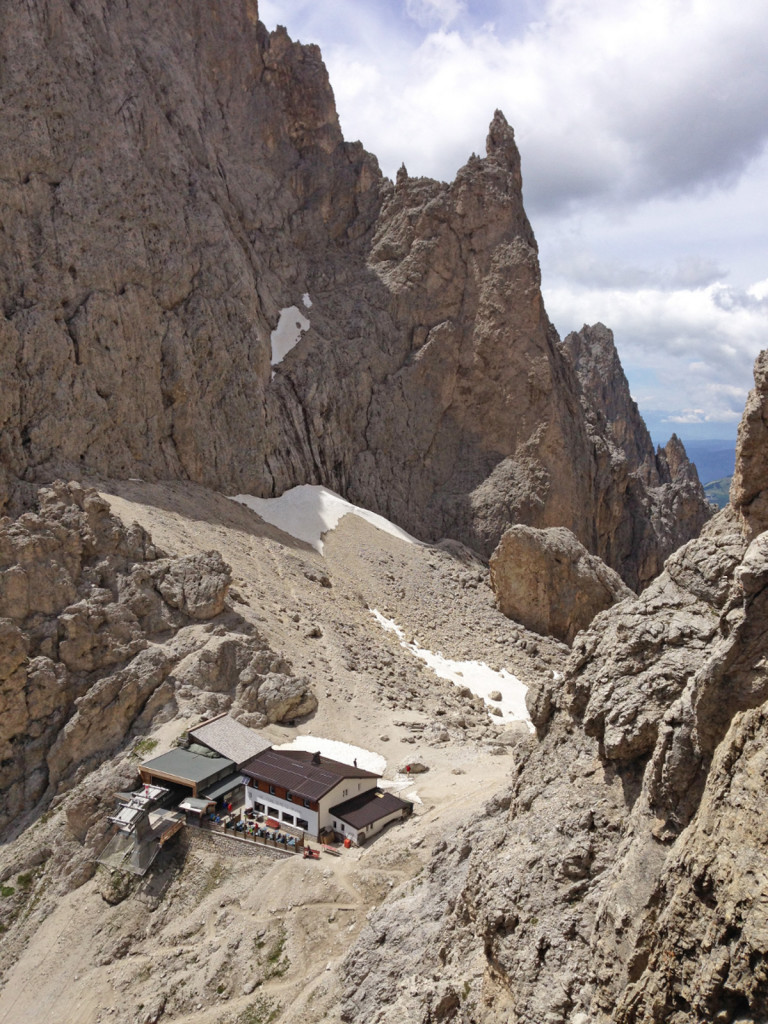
(233, 846)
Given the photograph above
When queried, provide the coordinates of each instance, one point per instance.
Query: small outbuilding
(362, 816)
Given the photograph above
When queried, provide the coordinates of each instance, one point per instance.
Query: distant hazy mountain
(714, 459)
(717, 491)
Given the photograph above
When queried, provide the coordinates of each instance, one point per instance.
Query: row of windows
(289, 819)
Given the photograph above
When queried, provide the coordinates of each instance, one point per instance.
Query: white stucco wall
(253, 796)
(345, 790)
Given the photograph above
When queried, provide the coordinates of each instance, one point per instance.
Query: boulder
(549, 582)
(283, 697)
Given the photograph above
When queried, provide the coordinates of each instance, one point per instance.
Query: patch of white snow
(481, 679)
(288, 332)
(402, 785)
(306, 300)
(338, 751)
(309, 511)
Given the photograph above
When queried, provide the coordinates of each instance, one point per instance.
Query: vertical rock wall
(170, 182)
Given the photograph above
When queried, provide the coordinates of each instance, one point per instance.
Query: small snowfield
(309, 511)
(476, 675)
(347, 753)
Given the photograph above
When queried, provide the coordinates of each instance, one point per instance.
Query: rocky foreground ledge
(621, 877)
(99, 632)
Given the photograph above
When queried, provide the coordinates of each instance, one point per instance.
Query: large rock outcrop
(647, 503)
(621, 877)
(549, 582)
(170, 186)
(749, 488)
(99, 634)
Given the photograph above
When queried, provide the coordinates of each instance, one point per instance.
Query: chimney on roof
(316, 757)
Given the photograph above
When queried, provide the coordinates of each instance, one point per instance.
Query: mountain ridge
(191, 187)
(172, 182)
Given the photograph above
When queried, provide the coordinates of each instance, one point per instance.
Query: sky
(642, 129)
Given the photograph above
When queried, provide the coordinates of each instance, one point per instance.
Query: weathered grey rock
(620, 878)
(547, 581)
(197, 585)
(104, 634)
(749, 491)
(703, 941)
(648, 502)
(283, 697)
(164, 210)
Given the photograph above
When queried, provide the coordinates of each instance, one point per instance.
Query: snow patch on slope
(338, 751)
(476, 675)
(290, 326)
(309, 511)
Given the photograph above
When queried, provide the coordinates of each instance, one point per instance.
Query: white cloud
(691, 416)
(759, 290)
(434, 12)
(684, 350)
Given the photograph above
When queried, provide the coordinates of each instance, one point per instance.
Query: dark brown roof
(365, 808)
(296, 771)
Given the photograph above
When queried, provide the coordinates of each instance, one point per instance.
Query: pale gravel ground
(197, 936)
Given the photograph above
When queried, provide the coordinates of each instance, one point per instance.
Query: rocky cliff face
(99, 634)
(749, 489)
(647, 503)
(621, 877)
(171, 184)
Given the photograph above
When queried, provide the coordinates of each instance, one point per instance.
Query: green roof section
(192, 768)
(217, 789)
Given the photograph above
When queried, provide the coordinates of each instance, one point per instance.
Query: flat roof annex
(296, 771)
(366, 808)
(187, 767)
